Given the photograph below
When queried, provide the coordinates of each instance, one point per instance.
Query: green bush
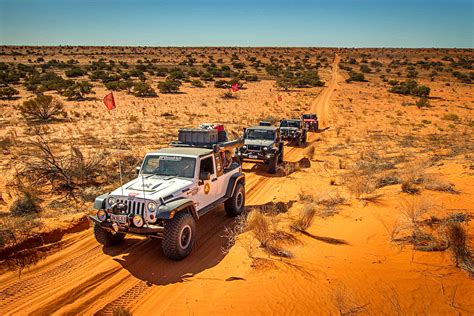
(355, 76)
(75, 72)
(42, 108)
(221, 84)
(422, 103)
(169, 86)
(411, 87)
(197, 83)
(143, 90)
(78, 91)
(8, 93)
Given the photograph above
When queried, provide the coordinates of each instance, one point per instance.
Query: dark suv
(262, 144)
(294, 131)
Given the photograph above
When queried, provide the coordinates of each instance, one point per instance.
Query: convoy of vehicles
(176, 186)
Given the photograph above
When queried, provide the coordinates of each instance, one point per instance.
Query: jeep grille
(134, 207)
(254, 148)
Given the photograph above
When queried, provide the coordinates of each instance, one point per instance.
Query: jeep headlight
(265, 148)
(137, 221)
(151, 206)
(101, 215)
(111, 200)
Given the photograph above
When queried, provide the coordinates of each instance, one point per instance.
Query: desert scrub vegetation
(42, 108)
(355, 76)
(410, 87)
(169, 86)
(8, 93)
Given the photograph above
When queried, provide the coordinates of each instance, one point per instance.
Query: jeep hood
(153, 187)
(259, 142)
(288, 128)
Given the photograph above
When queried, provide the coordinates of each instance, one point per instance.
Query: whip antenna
(120, 172)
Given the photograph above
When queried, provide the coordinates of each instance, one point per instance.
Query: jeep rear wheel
(236, 204)
(179, 237)
(106, 237)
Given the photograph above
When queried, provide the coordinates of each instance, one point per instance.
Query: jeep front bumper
(255, 156)
(153, 230)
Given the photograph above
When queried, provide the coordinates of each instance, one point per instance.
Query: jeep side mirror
(205, 175)
(137, 169)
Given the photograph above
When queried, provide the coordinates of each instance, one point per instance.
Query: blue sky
(343, 23)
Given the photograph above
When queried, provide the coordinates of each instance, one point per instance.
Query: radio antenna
(120, 171)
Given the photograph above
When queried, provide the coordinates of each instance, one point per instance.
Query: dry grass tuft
(458, 244)
(305, 218)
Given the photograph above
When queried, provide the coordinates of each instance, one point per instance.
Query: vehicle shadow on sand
(145, 260)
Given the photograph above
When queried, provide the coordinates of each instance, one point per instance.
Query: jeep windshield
(164, 165)
(309, 116)
(290, 124)
(259, 134)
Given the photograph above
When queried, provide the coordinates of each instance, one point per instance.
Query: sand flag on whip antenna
(109, 101)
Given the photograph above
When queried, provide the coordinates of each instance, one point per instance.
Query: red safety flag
(280, 98)
(109, 101)
(235, 87)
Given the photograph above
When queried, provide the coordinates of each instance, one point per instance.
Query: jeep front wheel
(179, 237)
(107, 238)
(236, 204)
(272, 167)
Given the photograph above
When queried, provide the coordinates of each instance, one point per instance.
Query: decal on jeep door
(207, 188)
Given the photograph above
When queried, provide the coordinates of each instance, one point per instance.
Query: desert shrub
(410, 187)
(451, 117)
(142, 89)
(458, 244)
(422, 103)
(305, 218)
(75, 72)
(365, 69)
(464, 78)
(9, 77)
(355, 76)
(228, 95)
(66, 172)
(176, 75)
(197, 83)
(251, 78)
(411, 87)
(169, 86)
(207, 76)
(221, 84)
(8, 93)
(284, 83)
(42, 108)
(48, 81)
(78, 91)
(25, 204)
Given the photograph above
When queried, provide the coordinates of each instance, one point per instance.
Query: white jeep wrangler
(175, 187)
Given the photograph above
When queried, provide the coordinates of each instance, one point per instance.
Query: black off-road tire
(107, 238)
(298, 142)
(236, 204)
(304, 140)
(179, 236)
(316, 127)
(281, 155)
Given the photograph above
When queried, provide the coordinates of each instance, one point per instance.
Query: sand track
(86, 278)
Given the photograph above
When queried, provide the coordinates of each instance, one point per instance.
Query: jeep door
(207, 189)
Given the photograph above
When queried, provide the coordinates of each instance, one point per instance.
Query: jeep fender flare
(233, 181)
(99, 203)
(168, 210)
